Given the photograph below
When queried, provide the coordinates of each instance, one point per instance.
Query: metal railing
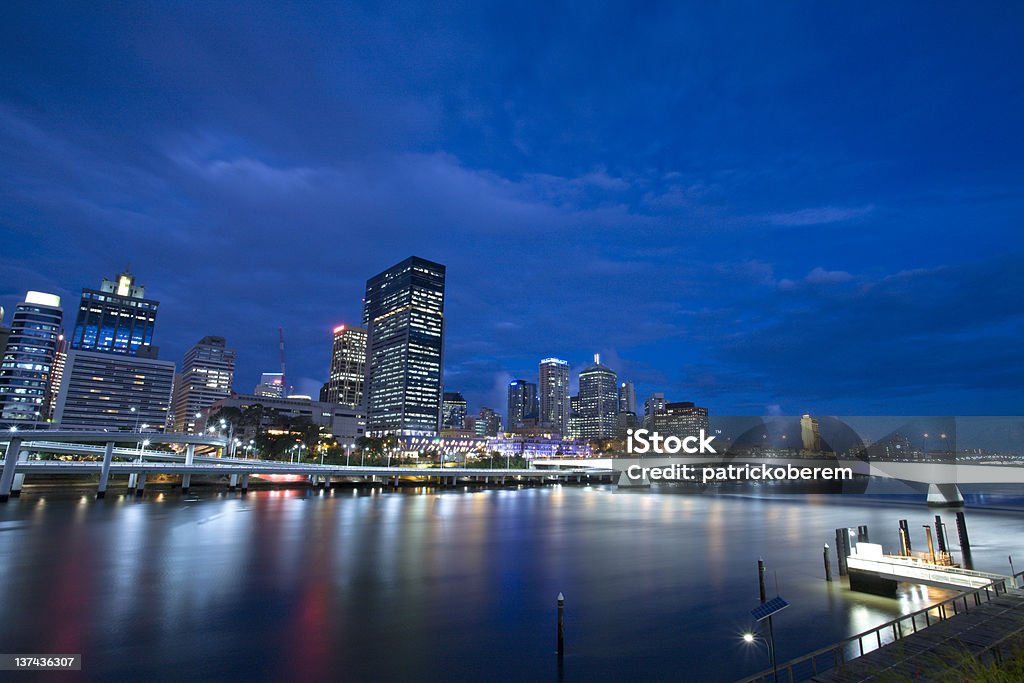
(839, 653)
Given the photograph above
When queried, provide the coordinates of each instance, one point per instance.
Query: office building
(680, 419)
(627, 398)
(207, 375)
(114, 391)
(810, 436)
(599, 401)
(57, 376)
(554, 394)
(453, 411)
(488, 423)
(271, 385)
(286, 417)
(403, 313)
(26, 365)
(654, 403)
(116, 318)
(347, 373)
(522, 403)
(5, 332)
(574, 429)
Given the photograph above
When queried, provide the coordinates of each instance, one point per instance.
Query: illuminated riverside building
(654, 403)
(271, 385)
(599, 401)
(488, 423)
(810, 436)
(530, 447)
(403, 312)
(453, 411)
(207, 374)
(522, 403)
(114, 391)
(554, 394)
(269, 414)
(26, 365)
(680, 419)
(348, 366)
(116, 318)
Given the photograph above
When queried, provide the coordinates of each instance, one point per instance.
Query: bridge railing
(837, 654)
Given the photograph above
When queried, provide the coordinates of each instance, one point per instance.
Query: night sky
(760, 207)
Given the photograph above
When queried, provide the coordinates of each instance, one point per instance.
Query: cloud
(819, 216)
(820, 276)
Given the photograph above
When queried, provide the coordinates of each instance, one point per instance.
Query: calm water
(289, 585)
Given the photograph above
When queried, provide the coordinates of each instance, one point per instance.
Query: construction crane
(284, 378)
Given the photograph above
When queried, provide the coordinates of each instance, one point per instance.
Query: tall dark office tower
(599, 401)
(116, 318)
(348, 366)
(554, 394)
(681, 419)
(403, 313)
(489, 422)
(522, 403)
(627, 398)
(207, 374)
(27, 363)
(453, 411)
(655, 403)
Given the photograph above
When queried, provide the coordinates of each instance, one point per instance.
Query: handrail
(896, 625)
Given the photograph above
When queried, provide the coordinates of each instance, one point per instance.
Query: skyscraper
(680, 418)
(271, 385)
(207, 374)
(627, 398)
(116, 318)
(522, 403)
(453, 411)
(810, 434)
(554, 394)
(404, 316)
(112, 378)
(489, 422)
(348, 366)
(599, 401)
(654, 403)
(27, 363)
(5, 332)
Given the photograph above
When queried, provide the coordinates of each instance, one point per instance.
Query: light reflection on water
(285, 585)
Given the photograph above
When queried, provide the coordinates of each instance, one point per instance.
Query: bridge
(142, 463)
(943, 478)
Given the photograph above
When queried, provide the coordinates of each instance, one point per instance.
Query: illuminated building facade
(522, 403)
(116, 318)
(453, 411)
(810, 435)
(347, 374)
(404, 316)
(26, 365)
(271, 385)
(207, 374)
(681, 419)
(554, 394)
(599, 401)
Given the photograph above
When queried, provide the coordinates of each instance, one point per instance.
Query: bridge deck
(908, 569)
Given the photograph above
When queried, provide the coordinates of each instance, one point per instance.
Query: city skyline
(783, 223)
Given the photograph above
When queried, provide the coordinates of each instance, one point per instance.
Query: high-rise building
(574, 429)
(453, 411)
(680, 419)
(112, 378)
(116, 318)
(404, 316)
(627, 398)
(489, 422)
(654, 403)
(26, 365)
(522, 403)
(810, 435)
(554, 394)
(271, 385)
(114, 391)
(599, 401)
(207, 374)
(5, 332)
(57, 376)
(348, 366)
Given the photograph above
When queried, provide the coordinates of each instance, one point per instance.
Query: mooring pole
(965, 542)
(561, 625)
(828, 565)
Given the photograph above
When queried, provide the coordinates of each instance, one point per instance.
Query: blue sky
(764, 208)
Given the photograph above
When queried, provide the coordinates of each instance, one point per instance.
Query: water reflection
(285, 585)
